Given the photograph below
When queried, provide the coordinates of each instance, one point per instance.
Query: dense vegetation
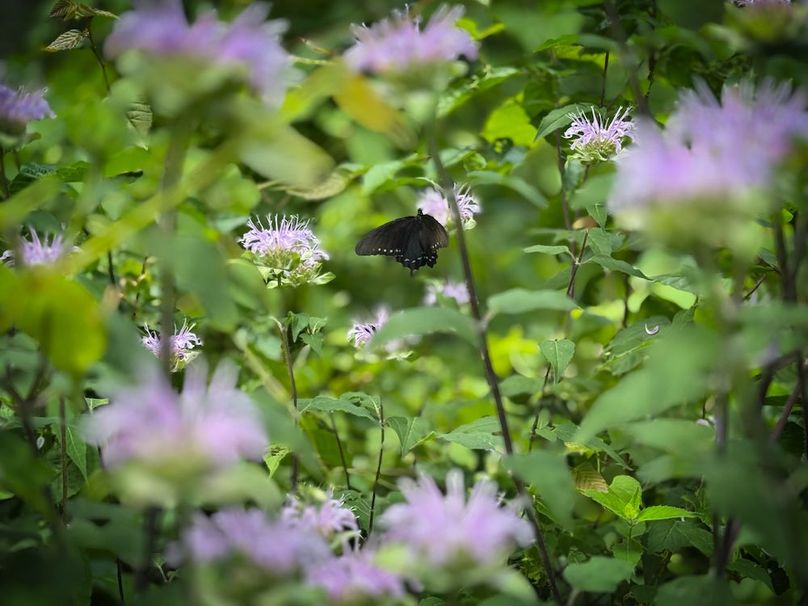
(596, 396)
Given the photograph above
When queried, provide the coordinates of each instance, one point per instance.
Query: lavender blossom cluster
(19, 107)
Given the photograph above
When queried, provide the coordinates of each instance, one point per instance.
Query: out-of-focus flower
(183, 345)
(449, 289)
(447, 532)
(716, 155)
(361, 332)
(204, 427)
(329, 518)
(286, 251)
(745, 3)
(19, 107)
(277, 547)
(399, 44)
(596, 139)
(353, 578)
(434, 203)
(250, 43)
(34, 251)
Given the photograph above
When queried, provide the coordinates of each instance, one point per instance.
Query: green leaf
(420, 321)
(76, 449)
(69, 40)
(70, 10)
(676, 436)
(616, 265)
(598, 574)
(509, 121)
(274, 458)
(326, 404)
(457, 97)
(548, 250)
(411, 431)
(623, 499)
(676, 535)
(517, 184)
(751, 570)
(559, 355)
(664, 512)
(695, 590)
(140, 117)
(559, 118)
(519, 300)
(547, 473)
(482, 434)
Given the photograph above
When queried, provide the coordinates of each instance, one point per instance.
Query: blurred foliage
(614, 365)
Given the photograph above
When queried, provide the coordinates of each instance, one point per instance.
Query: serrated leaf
(410, 431)
(69, 10)
(664, 512)
(274, 457)
(559, 354)
(519, 300)
(675, 535)
(69, 40)
(598, 574)
(624, 497)
(326, 404)
(548, 250)
(482, 434)
(420, 321)
(558, 118)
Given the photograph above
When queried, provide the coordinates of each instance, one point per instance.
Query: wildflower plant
(433, 202)
(595, 139)
(286, 251)
(184, 343)
(18, 108)
(34, 250)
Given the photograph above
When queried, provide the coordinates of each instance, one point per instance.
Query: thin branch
(98, 57)
(151, 522)
(575, 265)
(792, 399)
(63, 454)
(342, 459)
(562, 171)
(603, 84)
(446, 183)
(535, 427)
(754, 288)
(3, 177)
(627, 56)
(378, 470)
(290, 369)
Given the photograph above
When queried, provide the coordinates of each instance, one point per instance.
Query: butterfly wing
(389, 239)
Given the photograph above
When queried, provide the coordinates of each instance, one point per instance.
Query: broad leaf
(411, 431)
(519, 300)
(547, 473)
(558, 354)
(598, 574)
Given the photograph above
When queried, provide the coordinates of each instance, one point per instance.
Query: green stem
(378, 470)
(3, 178)
(290, 368)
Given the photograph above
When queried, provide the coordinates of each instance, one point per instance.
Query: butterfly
(413, 241)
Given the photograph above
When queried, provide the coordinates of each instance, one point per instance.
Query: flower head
(353, 578)
(398, 44)
(596, 139)
(711, 150)
(159, 27)
(34, 251)
(273, 545)
(18, 108)
(183, 344)
(449, 532)
(206, 426)
(329, 518)
(286, 250)
(362, 332)
(434, 203)
(448, 289)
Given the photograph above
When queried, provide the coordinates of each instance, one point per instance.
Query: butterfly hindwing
(412, 241)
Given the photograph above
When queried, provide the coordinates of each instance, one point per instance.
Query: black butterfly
(413, 241)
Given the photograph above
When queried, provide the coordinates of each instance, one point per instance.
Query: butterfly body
(412, 241)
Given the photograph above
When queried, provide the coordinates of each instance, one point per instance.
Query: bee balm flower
(596, 139)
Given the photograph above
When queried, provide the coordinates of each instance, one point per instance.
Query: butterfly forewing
(412, 241)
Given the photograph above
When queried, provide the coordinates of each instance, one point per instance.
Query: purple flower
(444, 531)
(250, 43)
(711, 151)
(276, 546)
(596, 139)
(287, 250)
(362, 332)
(434, 203)
(18, 108)
(38, 252)
(448, 289)
(213, 425)
(353, 578)
(329, 518)
(183, 344)
(398, 44)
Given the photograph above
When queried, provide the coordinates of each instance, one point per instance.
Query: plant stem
(98, 57)
(3, 178)
(378, 470)
(150, 523)
(534, 428)
(626, 56)
(795, 396)
(565, 209)
(290, 368)
(172, 173)
(603, 85)
(446, 183)
(341, 452)
(63, 454)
